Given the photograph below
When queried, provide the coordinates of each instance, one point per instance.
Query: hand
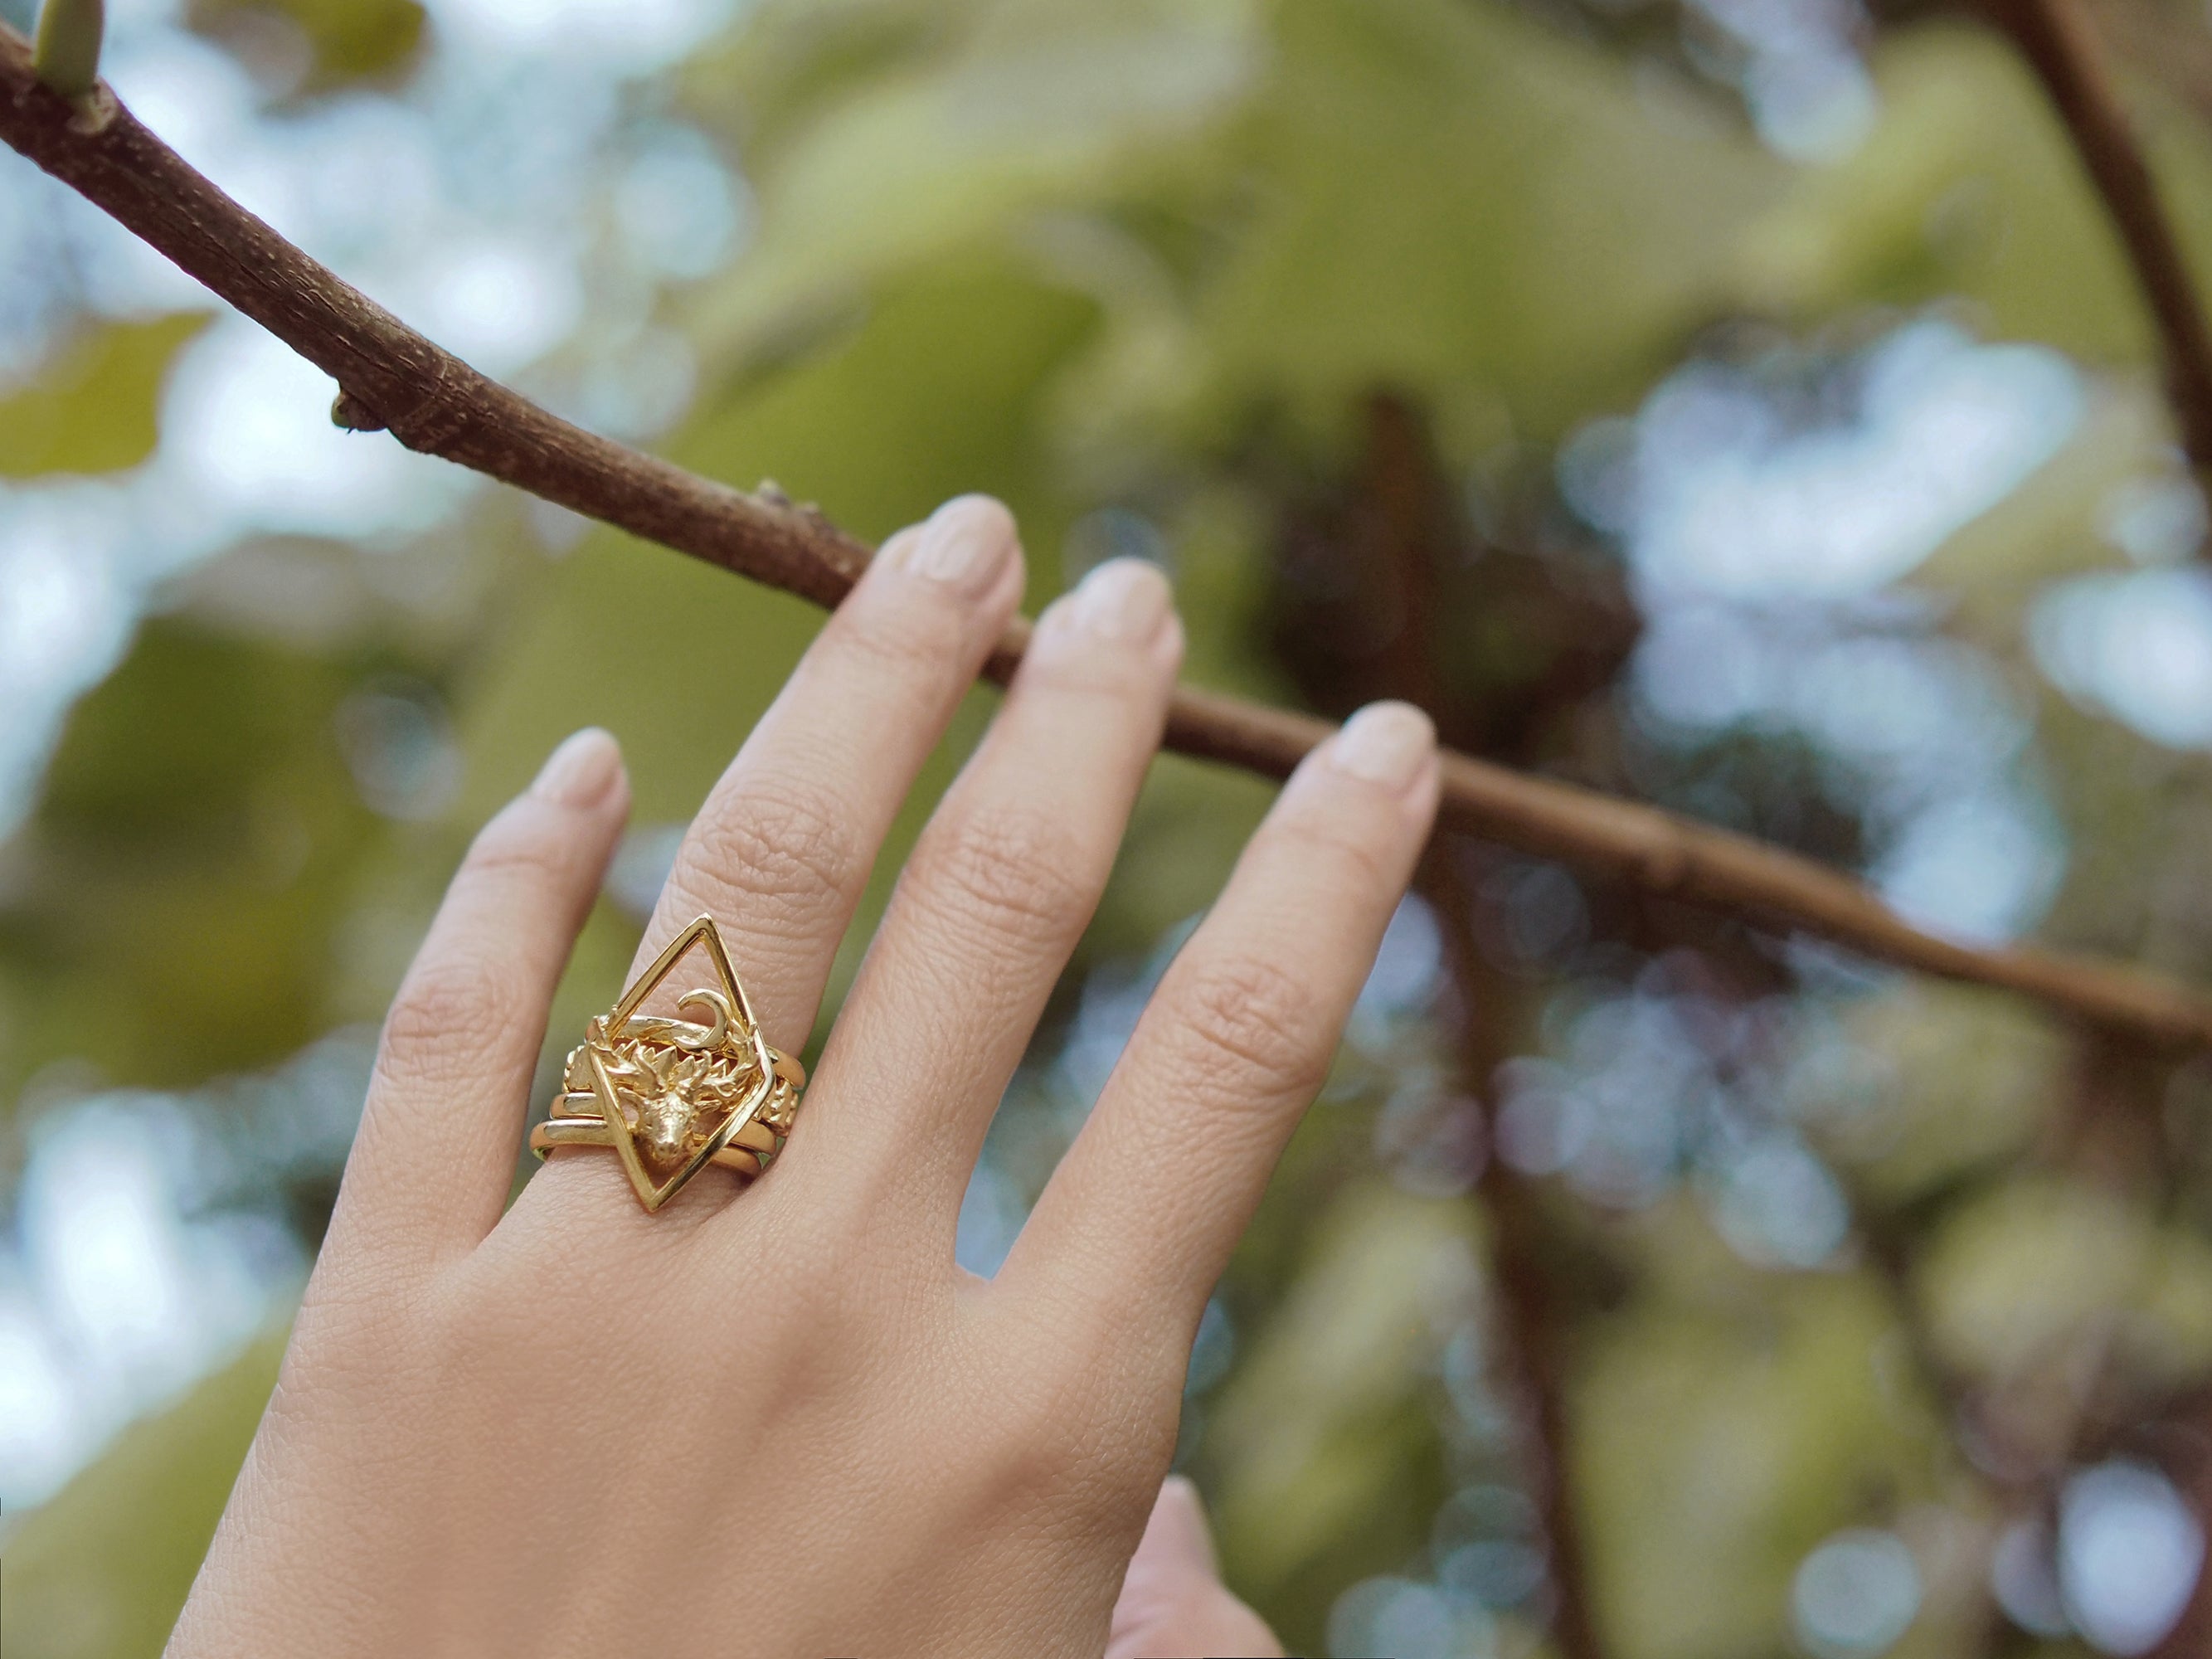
(781, 1420)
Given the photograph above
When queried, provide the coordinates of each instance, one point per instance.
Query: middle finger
(782, 848)
(780, 853)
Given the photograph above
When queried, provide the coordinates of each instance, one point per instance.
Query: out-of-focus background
(1739, 404)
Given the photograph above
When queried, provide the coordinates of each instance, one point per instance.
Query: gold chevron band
(577, 1122)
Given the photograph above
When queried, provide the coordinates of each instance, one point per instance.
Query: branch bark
(1536, 1307)
(2060, 44)
(391, 377)
(1390, 535)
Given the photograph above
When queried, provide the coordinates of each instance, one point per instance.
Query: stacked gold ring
(670, 1096)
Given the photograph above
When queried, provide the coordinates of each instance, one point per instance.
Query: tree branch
(391, 377)
(2060, 44)
(1390, 536)
(1536, 1308)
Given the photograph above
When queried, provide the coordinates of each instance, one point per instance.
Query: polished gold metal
(670, 1096)
(747, 1154)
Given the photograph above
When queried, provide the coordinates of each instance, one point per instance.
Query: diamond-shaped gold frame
(649, 1194)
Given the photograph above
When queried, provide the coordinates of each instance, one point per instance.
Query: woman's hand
(782, 1421)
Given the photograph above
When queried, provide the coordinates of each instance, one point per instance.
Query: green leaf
(1323, 1440)
(2016, 1274)
(1970, 189)
(342, 40)
(179, 883)
(93, 407)
(942, 148)
(1951, 1081)
(1723, 1426)
(1452, 196)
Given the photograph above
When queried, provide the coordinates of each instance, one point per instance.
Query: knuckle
(784, 841)
(441, 1008)
(517, 841)
(1252, 1030)
(455, 1316)
(919, 637)
(1080, 1470)
(1087, 666)
(1333, 839)
(1020, 871)
(1041, 1444)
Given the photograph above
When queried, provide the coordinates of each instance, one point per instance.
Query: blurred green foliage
(317, 46)
(182, 905)
(109, 1561)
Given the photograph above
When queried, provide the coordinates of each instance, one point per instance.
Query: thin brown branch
(1389, 536)
(1535, 1312)
(2150, 39)
(2060, 44)
(391, 377)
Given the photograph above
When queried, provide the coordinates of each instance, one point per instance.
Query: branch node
(355, 416)
(91, 113)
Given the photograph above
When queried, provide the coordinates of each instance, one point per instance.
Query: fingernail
(965, 544)
(581, 771)
(1122, 599)
(1385, 742)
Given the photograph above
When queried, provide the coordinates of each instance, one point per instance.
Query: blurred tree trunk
(1368, 575)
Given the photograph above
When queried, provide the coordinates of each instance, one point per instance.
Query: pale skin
(781, 1420)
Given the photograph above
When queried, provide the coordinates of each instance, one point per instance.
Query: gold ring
(670, 1096)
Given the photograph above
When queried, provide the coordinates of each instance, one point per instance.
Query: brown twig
(391, 377)
(1390, 538)
(2059, 40)
(2060, 44)
(2142, 34)
(1535, 1309)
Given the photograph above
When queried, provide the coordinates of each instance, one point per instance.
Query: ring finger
(998, 891)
